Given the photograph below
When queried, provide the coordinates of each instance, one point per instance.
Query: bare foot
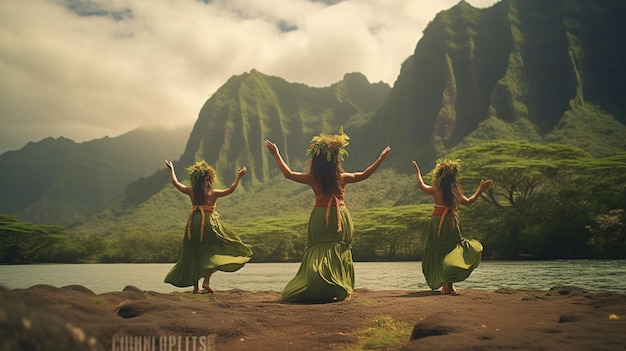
(447, 289)
(207, 288)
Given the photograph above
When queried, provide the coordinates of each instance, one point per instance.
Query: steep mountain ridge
(252, 107)
(522, 69)
(523, 62)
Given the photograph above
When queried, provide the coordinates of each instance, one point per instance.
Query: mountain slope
(252, 107)
(56, 181)
(520, 70)
(524, 63)
(229, 133)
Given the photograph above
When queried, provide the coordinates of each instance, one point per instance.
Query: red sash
(443, 211)
(328, 201)
(202, 209)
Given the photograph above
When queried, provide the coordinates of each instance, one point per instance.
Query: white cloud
(130, 63)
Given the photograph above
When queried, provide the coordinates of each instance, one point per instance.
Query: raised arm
(359, 176)
(484, 184)
(180, 186)
(299, 177)
(420, 181)
(233, 186)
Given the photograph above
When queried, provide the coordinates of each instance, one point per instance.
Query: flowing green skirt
(448, 258)
(220, 249)
(326, 272)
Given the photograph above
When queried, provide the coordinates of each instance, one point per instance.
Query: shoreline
(562, 318)
(489, 276)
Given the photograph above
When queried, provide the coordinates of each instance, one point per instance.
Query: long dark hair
(201, 190)
(450, 190)
(327, 173)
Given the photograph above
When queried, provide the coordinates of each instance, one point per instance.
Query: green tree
(25, 242)
(272, 239)
(608, 235)
(132, 245)
(390, 233)
(543, 195)
(277, 246)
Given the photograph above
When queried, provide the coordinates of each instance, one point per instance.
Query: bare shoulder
(301, 177)
(349, 177)
(437, 197)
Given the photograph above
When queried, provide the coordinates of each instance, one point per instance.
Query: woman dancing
(208, 244)
(326, 272)
(448, 257)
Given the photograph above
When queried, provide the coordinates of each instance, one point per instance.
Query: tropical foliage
(548, 201)
(526, 93)
(25, 243)
(544, 198)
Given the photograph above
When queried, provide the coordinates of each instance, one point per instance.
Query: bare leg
(206, 284)
(447, 289)
(195, 288)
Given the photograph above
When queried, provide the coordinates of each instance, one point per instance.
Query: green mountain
(521, 69)
(252, 107)
(57, 181)
(535, 70)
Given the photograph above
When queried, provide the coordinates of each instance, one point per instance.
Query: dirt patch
(74, 318)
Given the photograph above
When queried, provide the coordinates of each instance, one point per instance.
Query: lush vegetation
(526, 93)
(548, 201)
(57, 181)
(26, 243)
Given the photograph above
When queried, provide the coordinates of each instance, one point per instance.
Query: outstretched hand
(417, 168)
(484, 184)
(241, 172)
(273, 149)
(169, 164)
(384, 153)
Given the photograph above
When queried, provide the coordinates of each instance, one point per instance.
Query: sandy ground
(74, 318)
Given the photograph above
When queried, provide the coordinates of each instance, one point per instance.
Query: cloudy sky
(85, 69)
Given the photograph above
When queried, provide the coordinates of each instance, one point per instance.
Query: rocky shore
(44, 317)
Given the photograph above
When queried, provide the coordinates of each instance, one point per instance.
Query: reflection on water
(490, 275)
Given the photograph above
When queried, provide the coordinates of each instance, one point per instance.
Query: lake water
(490, 275)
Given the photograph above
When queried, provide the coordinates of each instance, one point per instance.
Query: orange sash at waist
(202, 209)
(328, 201)
(443, 211)
(324, 201)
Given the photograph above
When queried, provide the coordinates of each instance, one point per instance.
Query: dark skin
(447, 288)
(307, 178)
(213, 195)
(436, 194)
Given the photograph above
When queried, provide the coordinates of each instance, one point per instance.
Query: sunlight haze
(86, 69)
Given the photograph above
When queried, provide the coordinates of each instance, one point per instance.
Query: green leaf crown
(444, 168)
(332, 146)
(201, 169)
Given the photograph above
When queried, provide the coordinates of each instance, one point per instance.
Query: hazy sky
(85, 69)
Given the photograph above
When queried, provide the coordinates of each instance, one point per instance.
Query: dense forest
(526, 92)
(549, 201)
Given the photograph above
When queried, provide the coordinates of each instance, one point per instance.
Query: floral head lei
(201, 169)
(444, 168)
(332, 146)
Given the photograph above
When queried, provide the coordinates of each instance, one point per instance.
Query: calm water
(490, 275)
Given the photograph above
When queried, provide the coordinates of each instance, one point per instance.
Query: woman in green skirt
(326, 272)
(448, 257)
(208, 244)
